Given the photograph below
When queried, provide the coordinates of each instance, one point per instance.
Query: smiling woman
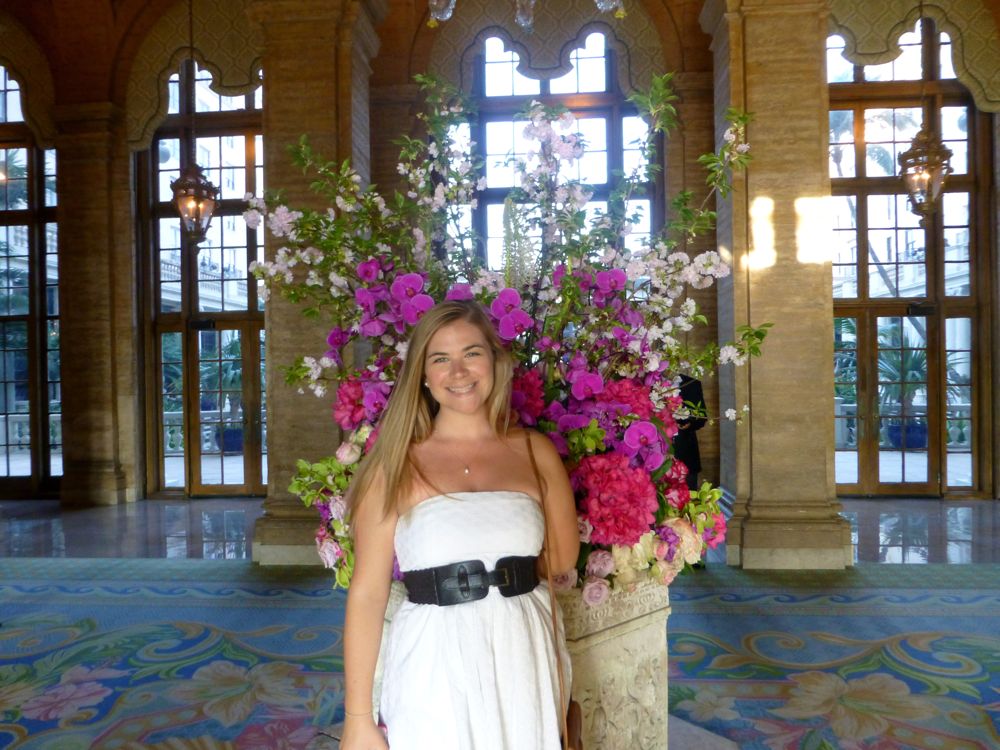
(470, 502)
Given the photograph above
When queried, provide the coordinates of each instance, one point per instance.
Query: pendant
(466, 470)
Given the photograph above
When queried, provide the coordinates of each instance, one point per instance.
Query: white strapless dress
(480, 675)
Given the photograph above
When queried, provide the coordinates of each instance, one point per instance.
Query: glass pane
(902, 394)
(222, 266)
(896, 254)
(10, 98)
(638, 232)
(263, 409)
(220, 416)
(168, 167)
(843, 214)
(501, 76)
(845, 401)
(15, 423)
(957, 270)
(634, 130)
(53, 377)
(51, 197)
(959, 398)
(13, 179)
(592, 169)
(947, 67)
(906, 67)
(838, 68)
(169, 231)
(842, 143)
(589, 69)
(174, 95)
(888, 132)
(223, 160)
(172, 407)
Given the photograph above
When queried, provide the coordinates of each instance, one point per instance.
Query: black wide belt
(468, 580)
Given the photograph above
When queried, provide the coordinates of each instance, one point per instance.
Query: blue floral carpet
(879, 657)
(202, 655)
(158, 655)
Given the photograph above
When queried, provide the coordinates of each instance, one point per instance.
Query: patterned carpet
(877, 657)
(203, 655)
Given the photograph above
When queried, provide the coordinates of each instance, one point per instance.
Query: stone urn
(619, 653)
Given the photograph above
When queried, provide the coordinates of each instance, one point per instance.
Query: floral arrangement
(593, 319)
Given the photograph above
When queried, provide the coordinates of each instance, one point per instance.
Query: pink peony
(527, 398)
(596, 591)
(329, 551)
(691, 545)
(618, 500)
(632, 393)
(565, 581)
(715, 534)
(348, 453)
(349, 409)
(600, 564)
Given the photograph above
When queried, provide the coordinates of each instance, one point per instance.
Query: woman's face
(458, 368)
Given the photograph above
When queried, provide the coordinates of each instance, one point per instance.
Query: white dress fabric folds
(479, 675)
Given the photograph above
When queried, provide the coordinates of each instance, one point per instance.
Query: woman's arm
(560, 507)
(366, 602)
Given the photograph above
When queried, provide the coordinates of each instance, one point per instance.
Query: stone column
(769, 60)
(92, 465)
(312, 87)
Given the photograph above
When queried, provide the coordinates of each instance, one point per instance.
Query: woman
(449, 486)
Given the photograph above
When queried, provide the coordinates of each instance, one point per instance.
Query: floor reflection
(218, 529)
(883, 530)
(924, 531)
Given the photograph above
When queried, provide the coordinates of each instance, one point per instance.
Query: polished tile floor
(884, 531)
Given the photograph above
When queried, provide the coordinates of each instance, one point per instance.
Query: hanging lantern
(924, 168)
(195, 198)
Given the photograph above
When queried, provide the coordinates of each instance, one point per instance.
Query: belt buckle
(454, 585)
(504, 565)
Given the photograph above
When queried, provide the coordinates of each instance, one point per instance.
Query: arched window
(908, 299)
(30, 394)
(205, 418)
(608, 123)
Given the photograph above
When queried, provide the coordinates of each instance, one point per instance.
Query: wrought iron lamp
(524, 10)
(927, 163)
(194, 194)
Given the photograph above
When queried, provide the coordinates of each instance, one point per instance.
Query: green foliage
(585, 441)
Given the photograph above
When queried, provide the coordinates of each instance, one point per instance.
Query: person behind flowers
(449, 487)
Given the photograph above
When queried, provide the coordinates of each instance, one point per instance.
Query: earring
(425, 384)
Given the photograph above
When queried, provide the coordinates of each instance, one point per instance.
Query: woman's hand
(360, 733)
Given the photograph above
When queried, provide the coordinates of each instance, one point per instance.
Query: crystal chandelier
(524, 10)
(194, 195)
(926, 164)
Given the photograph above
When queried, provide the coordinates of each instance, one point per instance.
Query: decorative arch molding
(871, 34)
(26, 63)
(557, 32)
(221, 26)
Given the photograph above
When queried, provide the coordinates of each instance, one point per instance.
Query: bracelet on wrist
(357, 713)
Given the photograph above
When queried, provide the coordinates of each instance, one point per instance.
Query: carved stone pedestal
(619, 653)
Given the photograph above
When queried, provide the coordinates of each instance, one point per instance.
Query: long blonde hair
(408, 418)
